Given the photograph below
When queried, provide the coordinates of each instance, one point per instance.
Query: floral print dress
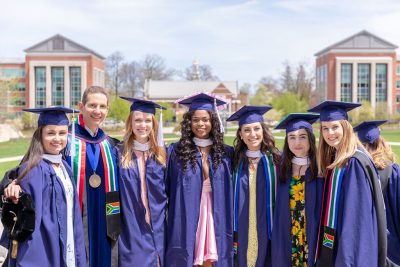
(298, 221)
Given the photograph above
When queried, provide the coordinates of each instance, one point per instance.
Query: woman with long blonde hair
(389, 174)
(352, 224)
(141, 159)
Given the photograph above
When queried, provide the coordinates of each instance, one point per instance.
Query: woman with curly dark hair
(199, 187)
(255, 166)
(298, 200)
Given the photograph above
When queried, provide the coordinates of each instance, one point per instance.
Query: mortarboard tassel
(221, 129)
(160, 138)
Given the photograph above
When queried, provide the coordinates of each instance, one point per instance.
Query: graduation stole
(79, 167)
(110, 170)
(270, 170)
(328, 219)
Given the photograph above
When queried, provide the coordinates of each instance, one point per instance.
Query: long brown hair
(381, 153)
(267, 146)
(34, 153)
(346, 150)
(129, 137)
(287, 156)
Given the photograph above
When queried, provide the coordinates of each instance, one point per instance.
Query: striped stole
(329, 213)
(270, 171)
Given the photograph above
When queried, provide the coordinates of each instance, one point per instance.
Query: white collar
(90, 132)
(253, 154)
(141, 147)
(202, 142)
(53, 158)
(301, 161)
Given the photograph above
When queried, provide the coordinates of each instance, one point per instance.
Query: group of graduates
(200, 202)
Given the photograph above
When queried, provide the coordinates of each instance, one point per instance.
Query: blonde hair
(381, 152)
(345, 151)
(129, 137)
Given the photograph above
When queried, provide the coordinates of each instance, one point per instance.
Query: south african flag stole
(329, 216)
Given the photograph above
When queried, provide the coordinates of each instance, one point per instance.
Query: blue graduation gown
(184, 191)
(281, 232)
(94, 212)
(356, 241)
(46, 246)
(264, 249)
(392, 203)
(138, 242)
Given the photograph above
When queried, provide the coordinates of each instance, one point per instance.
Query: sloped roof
(361, 40)
(12, 60)
(66, 46)
(177, 89)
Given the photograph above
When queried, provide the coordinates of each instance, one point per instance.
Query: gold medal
(94, 180)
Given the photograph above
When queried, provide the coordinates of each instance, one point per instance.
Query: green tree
(289, 102)
(381, 111)
(119, 109)
(364, 113)
(263, 96)
(168, 113)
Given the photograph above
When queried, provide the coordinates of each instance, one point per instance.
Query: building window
(398, 99)
(346, 82)
(398, 84)
(381, 82)
(40, 87)
(364, 83)
(75, 82)
(10, 73)
(20, 102)
(398, 69)
(57, 86)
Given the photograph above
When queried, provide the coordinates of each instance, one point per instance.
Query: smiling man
(93, 163)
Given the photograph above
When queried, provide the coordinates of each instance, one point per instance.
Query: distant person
(389, 173)
(141, 162)
(90, 153)
(57, 239)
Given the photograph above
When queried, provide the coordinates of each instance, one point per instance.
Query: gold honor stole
(331, 196)
(271, 171)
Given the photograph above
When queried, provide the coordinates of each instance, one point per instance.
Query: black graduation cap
(368, 131)
(19, 219)
(52, 115)
(330, 110)
(146, 106)
(249, 114)
(295, 121)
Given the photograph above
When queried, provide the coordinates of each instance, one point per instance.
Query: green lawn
(5, 166)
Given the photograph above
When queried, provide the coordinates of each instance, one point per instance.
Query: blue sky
(240, 40)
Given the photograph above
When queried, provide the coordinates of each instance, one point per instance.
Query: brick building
(362, 67)
(54, 72)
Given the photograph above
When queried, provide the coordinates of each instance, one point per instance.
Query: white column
(67, 87)
(32, 86)
(373, 85)
(354, 82)
(390, 87)
(338, 80)
(48, 85)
